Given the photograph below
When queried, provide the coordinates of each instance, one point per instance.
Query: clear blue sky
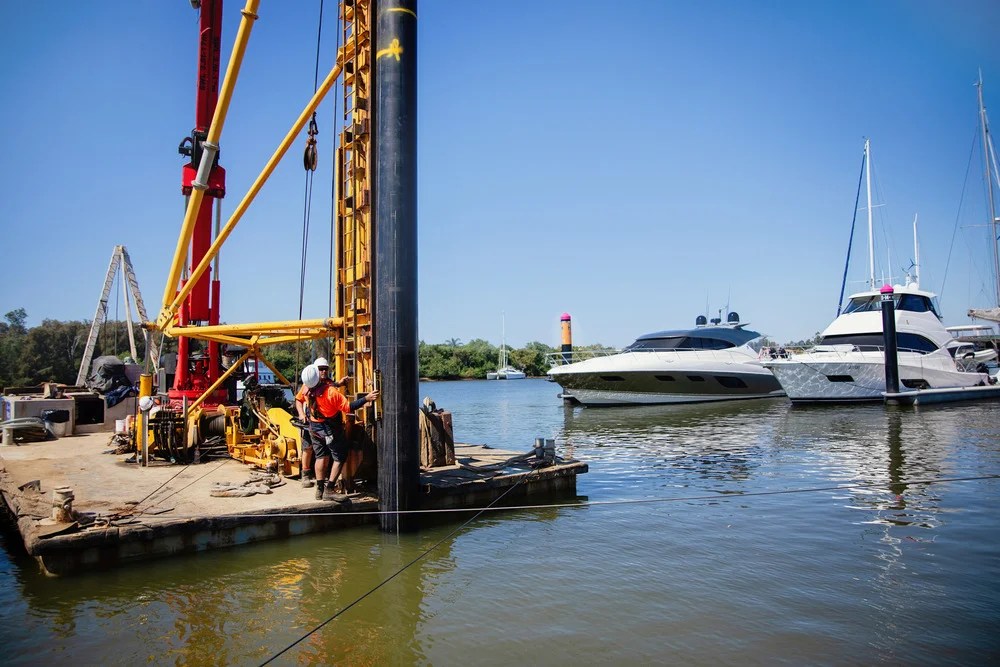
(631, 163)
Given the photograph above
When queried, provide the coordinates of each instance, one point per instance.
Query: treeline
(453, 360)
(53, 350)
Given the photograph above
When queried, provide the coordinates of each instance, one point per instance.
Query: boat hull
(670, 383)
(829, 377)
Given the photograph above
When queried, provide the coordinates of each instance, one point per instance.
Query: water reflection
(898, 572)
(244, 605)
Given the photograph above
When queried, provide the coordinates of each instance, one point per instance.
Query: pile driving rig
(196, 412)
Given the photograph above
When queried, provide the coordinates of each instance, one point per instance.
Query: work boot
(308, 479)
(320, 487)
(331, 494)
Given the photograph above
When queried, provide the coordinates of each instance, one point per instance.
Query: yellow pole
(145, 385)
(170, 307)
(260, 327)
(217, 383)
(274, 370)
(214, 132)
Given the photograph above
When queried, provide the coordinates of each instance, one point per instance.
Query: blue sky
(630, 163)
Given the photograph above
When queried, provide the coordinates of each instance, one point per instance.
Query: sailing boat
(504, 370)
(989, 157)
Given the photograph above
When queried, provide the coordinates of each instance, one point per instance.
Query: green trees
(453, 361)
(52, 351)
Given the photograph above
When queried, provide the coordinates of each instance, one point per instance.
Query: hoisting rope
(309, 161)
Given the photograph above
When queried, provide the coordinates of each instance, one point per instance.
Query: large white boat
(848, 364)
(504, 370)
(711, 362)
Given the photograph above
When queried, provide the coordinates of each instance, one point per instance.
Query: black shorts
(325, 441)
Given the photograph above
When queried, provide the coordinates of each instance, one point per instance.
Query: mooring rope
(587, 503)
(393, 575)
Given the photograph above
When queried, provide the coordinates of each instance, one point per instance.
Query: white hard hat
(321, 362)
(146, 403)
(310, 376)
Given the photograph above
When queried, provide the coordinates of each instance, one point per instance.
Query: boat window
(612, 378)
(649, 344)
(863, 304)
(840, 378)
(665, 378)
(730, 382)
(875, 341)
(678, 343)
(696, 378)
(915, 303)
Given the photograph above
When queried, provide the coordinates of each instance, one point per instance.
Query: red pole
(202, 304)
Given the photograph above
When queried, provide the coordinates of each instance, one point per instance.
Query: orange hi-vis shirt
(329, 401)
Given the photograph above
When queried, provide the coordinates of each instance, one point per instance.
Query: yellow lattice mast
(353, 349)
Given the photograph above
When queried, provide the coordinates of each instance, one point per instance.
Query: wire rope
(720, 495)
(307, 201)
(393, 575)
(961, 199)
(850, 242)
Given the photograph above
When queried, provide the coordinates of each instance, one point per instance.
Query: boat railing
(563, 358)
(845, 352)
(733, 355)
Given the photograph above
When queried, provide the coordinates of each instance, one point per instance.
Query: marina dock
(122, 513)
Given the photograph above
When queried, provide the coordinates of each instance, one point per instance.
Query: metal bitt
(889, 335)
(395, 145)
(62, 504)
(567, 338)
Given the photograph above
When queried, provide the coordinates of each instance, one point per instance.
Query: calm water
(900, 574)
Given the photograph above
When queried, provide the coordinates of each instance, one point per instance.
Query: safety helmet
(321, 362)
(310, 376)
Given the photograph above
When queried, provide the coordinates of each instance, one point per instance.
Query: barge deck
(122, 513)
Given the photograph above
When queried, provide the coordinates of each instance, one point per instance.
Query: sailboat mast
(871, 238)
(989, 184)
(503, 340)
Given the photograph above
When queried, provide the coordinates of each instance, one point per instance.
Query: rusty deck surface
(127, 513)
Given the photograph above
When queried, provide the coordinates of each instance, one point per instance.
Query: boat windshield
(678, 343)
(916, 303)
(875, 341)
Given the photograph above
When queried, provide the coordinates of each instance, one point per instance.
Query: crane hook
(310, 159)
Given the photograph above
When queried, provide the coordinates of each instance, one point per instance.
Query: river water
(743, 552)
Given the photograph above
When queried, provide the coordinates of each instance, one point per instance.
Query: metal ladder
(119, 259)
(353, 350)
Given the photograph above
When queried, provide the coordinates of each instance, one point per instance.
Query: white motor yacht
(711, 362)
(849, 362)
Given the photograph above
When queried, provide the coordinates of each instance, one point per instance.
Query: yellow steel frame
(351, 326)
(353, 351)
(351, 329)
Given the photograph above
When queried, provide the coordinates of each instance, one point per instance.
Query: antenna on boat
(871, 238)
(916, 254)
(987, 145)
(850, 241)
